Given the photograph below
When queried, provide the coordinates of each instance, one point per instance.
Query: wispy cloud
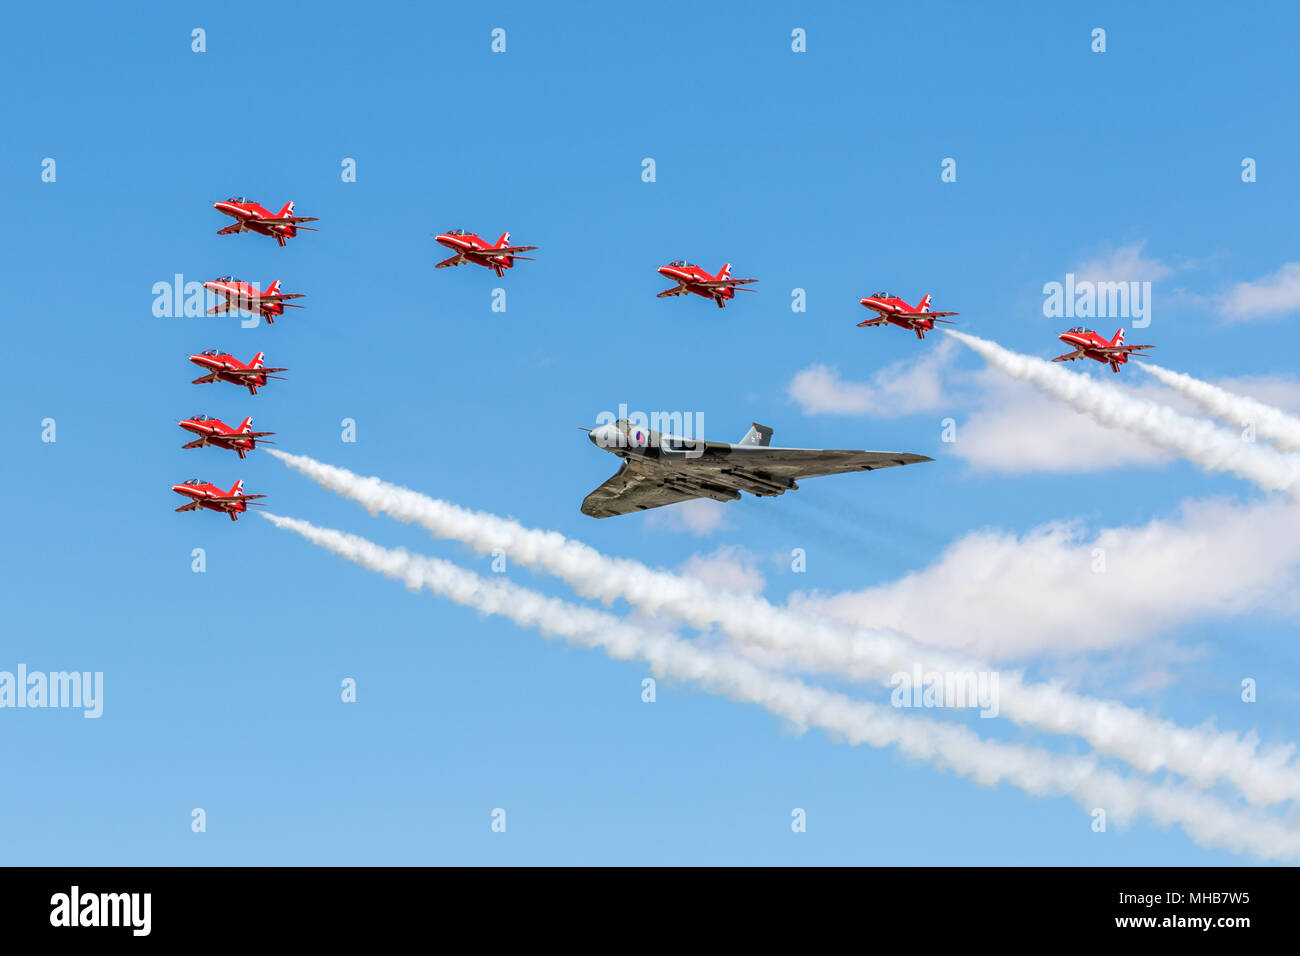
(906, 387)
(1271, 296)
(942, 744)
(699, 516)
(1127, 263)
(1009, 596)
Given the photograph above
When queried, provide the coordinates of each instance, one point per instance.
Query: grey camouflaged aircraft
(661, 469)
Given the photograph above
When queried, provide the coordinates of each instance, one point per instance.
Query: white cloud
(1123, 264)
(905, 387)
(1276, 294)
(729, 568)
(698, 516)
(1015, 430)
(1005, 596)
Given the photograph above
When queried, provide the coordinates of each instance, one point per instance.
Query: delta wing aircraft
(660, 469)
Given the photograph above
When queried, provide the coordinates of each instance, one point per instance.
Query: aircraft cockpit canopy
(683, 264)
(239, 199)
(457, 232)
(200, 418)
(212, 352)
(193, 481)
(1080, 328)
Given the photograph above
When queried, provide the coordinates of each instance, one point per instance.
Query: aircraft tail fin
(246, 425)
(924, 304)
(286, 211)
(1118, 339)
(504, 240)
(273, 288)
(237, 487)
(725, 271)
(257, 360)
(757, 435)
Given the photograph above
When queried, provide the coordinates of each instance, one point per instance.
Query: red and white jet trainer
(253, 217)
(213, 431)
(470, 248)
(1089, 344)
(223, 367)
(891, 310)
(691, 278)
(206, 495)
(242, 296)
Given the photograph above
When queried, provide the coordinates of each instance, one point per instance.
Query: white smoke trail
(1149, 744)
(1208, 821)
(1270, 423)
(1197, 440)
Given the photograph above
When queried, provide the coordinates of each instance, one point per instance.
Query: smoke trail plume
(1270, 423)
(949, 746)
(1149, 744)
(1199, 441)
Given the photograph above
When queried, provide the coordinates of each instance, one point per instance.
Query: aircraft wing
(796, 463)
(231, 499)
(230, 230)
(638, 487)
(284, 220)
(501, 251)
(878, 320)
(1069, 356)
(277, 296)
(243, 372)
(450, 261)
(675, 290)
(1123, 348)
(189, 507)
(721, 283)
(633, 488)
(935, 315)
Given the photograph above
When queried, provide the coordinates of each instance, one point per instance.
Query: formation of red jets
(218, 366)
(467, 247)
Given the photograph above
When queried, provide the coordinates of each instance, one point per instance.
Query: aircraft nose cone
(604, 436)
(176, 488)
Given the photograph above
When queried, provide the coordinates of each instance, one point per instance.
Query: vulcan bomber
(661, 469)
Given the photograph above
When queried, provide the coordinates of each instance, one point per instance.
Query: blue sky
(817, 170)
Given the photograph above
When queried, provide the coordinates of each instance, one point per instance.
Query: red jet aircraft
(240, 295)
(1089, 344)
(223, 367)
(206, 495)
(213, 431)
(691, 278)
(891, 310)
(470, 248)
(252, 217)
